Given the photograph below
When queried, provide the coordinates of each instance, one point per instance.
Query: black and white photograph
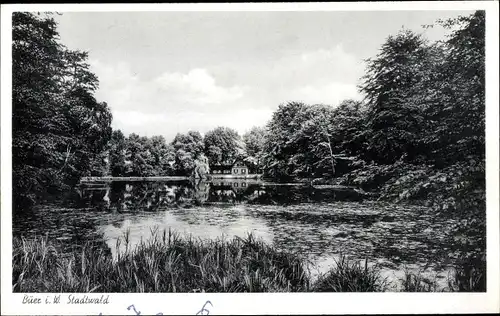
(240, 151)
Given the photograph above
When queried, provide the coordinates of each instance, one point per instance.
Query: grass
(350, 276)
(468, 275)
(168, 263)
(416, 282)
(164, 263)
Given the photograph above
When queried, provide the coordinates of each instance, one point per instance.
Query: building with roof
(238, 168)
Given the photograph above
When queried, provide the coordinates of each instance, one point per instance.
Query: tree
(59, 129)
(201, 168)
(223, 145)
(117, 153)
(459, 139)
(254, 147)
(138, 157)
(301, 141)
(321, 137)
(187, 148)
(278, 147)
(394, 122)
(350, 120)
(457, 93)
(163, 156)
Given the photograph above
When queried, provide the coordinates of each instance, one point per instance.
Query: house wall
(225, 171)
(240, 170)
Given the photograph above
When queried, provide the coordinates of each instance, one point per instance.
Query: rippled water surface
(317, 223)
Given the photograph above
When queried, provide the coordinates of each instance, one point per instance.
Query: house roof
(241, 161)
(228, 166)
(221, 167)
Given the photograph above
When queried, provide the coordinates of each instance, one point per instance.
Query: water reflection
(210, 222)
(317, 222)
(151, 196)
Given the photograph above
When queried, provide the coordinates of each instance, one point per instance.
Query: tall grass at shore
(350, 276)
(168, 263)
(164, 263)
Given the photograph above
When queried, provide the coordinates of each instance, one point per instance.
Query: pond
(320, 223)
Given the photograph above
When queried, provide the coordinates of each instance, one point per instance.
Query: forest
(418, 136)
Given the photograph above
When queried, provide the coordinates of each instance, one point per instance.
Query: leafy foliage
(223, 145)
(307, 140)
(140, 156)
(393, 122)
(59, 129)
(419, 134)
(254, 148)
(187, 149)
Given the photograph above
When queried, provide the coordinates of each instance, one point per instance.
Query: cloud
(330, 64)
(332, 93)
(295, 68)
(197, 85)
(326, 75)
(239, 96)
(125, 90)
(240, 119)
(136, 118)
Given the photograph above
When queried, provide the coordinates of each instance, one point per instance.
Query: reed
(416, 282)
(164, 263)
(168, 262)
(351, 276)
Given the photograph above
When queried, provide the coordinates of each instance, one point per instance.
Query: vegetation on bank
(168, 263)
(422, 116)
(418, 136)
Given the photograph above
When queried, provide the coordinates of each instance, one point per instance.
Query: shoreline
(185, 264)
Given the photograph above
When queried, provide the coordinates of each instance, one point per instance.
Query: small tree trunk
(332, 158)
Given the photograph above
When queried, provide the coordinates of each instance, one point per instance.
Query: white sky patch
(198, 86)
(169, 124)
(137, 119)
(323, 65)
(124, 89)
(336, 57)
(176, 102)
(331, 93)
(165, 87)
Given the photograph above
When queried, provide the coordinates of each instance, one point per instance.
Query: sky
(164, 73)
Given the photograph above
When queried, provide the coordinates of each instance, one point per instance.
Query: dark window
(243, 171)
(235, 170)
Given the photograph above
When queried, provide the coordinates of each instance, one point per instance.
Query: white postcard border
(265, 303)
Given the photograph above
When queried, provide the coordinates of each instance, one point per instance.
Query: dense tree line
(139, 156)
(423, 112)
(311, 140)
(59, 128)
(143, 156)
(423, 115)
(418, 134)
